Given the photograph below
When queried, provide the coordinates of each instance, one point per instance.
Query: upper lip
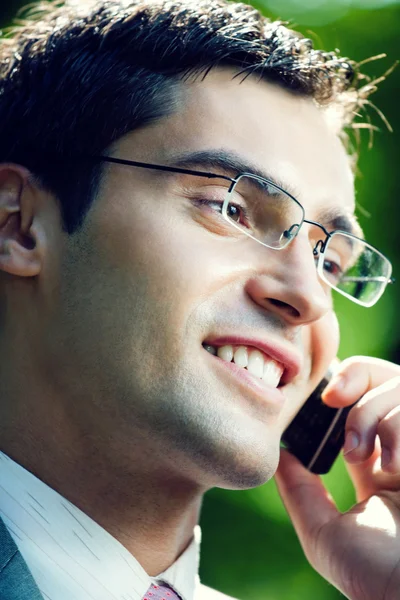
(288, 357)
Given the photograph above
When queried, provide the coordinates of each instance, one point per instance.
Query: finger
(363, 421)
(388, 431)
(355, 377)
(368, 476)
(309, 504)
(360, 474)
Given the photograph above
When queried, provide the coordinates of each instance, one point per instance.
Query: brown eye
(332, 270)
(234, 212)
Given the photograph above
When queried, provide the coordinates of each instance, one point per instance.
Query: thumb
(309, 504)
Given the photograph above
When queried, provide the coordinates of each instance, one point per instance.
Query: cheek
(164, 265)
(321, 342)
(324, 345)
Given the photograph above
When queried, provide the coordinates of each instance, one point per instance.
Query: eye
(235, 212)
(333, 270)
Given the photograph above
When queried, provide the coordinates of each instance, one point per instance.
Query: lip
(289, 358)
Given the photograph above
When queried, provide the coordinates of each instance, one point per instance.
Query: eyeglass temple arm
(168, 169)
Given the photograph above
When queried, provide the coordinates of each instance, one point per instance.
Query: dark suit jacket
(17, 583)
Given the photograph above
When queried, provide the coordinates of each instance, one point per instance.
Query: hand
(357, 551)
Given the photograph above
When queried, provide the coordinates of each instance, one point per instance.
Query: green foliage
(249, 547)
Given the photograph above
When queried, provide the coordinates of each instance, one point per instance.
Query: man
(167, 170)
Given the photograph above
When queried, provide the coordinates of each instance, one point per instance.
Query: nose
(288, 284)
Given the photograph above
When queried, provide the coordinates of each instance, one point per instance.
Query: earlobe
(19, 254)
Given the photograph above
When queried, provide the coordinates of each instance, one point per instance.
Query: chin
(251, 478)
(246, 469)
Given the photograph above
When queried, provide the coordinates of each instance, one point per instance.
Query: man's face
(152, 277)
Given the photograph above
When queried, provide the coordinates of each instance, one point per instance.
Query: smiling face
(154, 276)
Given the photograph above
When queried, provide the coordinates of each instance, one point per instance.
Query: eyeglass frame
(320, 245)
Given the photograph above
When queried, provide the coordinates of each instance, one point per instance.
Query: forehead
(282, 134)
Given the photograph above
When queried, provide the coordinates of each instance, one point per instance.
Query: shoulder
(206, 593)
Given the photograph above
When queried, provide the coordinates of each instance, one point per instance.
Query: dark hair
(75, 78)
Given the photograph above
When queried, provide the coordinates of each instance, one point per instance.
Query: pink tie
(161, 592)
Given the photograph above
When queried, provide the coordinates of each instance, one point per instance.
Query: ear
(19, 251)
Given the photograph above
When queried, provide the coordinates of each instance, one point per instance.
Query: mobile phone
(316, 434)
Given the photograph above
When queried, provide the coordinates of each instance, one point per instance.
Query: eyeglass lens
(354, 268)
(264, 212)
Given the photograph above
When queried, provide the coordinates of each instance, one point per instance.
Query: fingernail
(386, 457)
(352, 442)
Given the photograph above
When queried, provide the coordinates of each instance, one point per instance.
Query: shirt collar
(183, 574)
(72, 556)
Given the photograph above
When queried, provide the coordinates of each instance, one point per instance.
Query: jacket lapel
(16, 581)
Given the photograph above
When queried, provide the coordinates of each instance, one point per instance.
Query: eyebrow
(335, 219)
(229, 162)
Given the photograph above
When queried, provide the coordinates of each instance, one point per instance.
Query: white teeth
(272, 373)
(226, 353)
(256, 363)
(240, 356)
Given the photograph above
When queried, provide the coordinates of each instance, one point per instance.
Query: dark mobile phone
(316, 434)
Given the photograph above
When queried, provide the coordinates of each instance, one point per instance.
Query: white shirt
(70, 556)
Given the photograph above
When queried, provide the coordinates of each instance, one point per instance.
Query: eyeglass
(263, 211)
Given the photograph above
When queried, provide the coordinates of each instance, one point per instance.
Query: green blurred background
(249, 548)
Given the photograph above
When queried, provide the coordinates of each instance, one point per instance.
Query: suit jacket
(17, 583)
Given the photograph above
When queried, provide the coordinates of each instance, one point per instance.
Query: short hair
(75, 78)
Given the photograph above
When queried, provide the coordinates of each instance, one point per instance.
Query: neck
(132, 493)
